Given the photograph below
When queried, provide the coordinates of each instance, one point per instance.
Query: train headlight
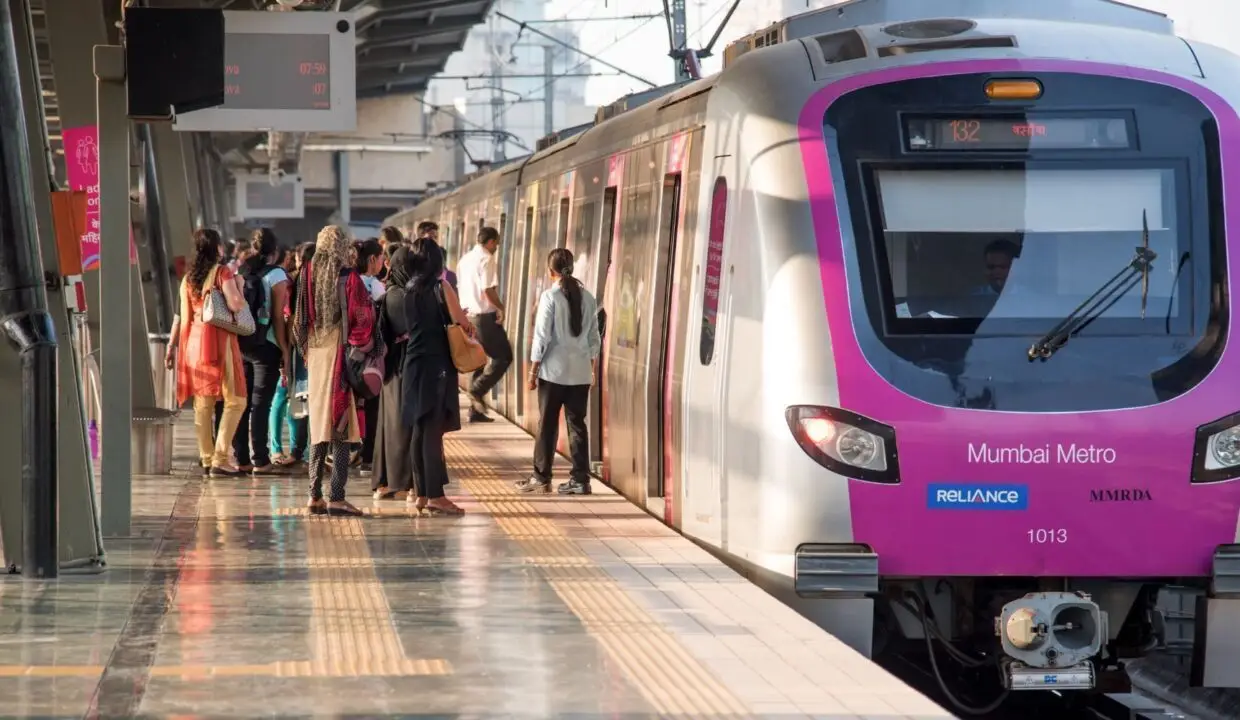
(1225, 448)
(846, 443)
(1216, 454)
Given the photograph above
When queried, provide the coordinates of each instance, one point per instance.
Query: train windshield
(973, 229)
(1012, 251)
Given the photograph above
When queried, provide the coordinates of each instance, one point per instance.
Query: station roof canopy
(402, 44)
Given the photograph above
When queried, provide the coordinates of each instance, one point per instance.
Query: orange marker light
(1013, 89)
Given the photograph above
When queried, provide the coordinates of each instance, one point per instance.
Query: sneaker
(533, 485)
(477, 417)
(574, 487)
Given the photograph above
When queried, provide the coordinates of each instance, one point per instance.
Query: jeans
(495, 342)
(277, 419)
(262, 375)
(574, 400)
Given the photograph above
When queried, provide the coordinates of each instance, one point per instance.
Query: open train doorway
(669, 225)
(600, 293)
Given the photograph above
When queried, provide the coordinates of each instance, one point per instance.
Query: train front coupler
(1049, 640)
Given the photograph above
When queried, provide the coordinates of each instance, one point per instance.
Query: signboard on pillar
(294, 72)
(258, 198)
(82, 173)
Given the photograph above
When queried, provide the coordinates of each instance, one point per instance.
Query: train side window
(583, 241)
(562, 231)
(714, 268)
(503, 227)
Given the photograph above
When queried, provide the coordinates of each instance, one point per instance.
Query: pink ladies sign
(82, 171)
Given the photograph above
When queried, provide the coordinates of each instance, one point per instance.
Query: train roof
(903, 20)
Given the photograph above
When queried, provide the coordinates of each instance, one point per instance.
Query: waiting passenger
(430, 405)
(369, 265)
(265, 353)
(429, 229)
(329, 296)
(393, 472)
(389, 237)
(563, 358)
(294, 389)
(478, 273)
(209, 364)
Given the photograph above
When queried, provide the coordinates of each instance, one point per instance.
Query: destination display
(1015, 133)
(258, 198)
(266, 71)
(294, 72)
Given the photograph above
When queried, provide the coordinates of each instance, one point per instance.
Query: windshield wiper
(1137, 270)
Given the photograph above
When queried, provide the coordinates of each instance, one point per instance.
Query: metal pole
(115, 325)
(26, 321)
(344, 203)
(498, 140)
(549, 90)
(156, 238)
(679, 37)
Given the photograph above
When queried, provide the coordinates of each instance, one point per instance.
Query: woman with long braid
(562, 368)
(335, 423)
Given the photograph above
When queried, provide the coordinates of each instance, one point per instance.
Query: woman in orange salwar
(209, 364)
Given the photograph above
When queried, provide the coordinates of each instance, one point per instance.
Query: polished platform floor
(231, 602)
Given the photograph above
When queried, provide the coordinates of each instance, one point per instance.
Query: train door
(503, 387)
(630, 326)
(703, 514)
(520, 278)
(598, 394)
(657, 415)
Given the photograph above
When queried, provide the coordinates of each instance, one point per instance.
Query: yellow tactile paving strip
(671, 679)
(351, 628)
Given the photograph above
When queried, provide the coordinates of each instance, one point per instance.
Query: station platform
(230, 601)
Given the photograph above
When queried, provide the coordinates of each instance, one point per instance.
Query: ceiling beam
(415, 55)
(369, 80)
(396, 32)
(394, 9)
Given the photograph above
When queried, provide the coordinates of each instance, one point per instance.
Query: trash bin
(150, 451)
(165, 379)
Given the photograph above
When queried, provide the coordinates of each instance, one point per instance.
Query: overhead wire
(615, 42)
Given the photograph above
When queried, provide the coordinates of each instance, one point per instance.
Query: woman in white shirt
(565, 348)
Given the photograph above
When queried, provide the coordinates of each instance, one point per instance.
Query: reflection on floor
(231, 602)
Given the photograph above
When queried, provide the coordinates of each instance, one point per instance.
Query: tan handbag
(467, 353)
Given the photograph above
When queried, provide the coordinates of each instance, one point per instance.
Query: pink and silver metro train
(918, 313)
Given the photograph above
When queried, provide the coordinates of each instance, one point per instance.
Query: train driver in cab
(998, 256)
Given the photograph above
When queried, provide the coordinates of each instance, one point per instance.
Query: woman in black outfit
(431, 405)
(393, 471)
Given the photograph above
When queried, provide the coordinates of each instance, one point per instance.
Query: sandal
(317, 507)
(443, 506)
(343, 509)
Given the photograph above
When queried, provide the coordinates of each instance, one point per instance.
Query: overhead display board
(259, 199)
(295, 72)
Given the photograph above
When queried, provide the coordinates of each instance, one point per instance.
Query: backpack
(257, 298)
(364, 368)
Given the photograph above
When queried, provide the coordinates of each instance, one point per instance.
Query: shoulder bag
(215, 310)
(467, 353)
(362, 370)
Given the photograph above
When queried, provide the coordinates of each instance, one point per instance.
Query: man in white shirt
(478, 279)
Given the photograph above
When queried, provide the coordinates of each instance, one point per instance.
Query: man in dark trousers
(478, 277)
